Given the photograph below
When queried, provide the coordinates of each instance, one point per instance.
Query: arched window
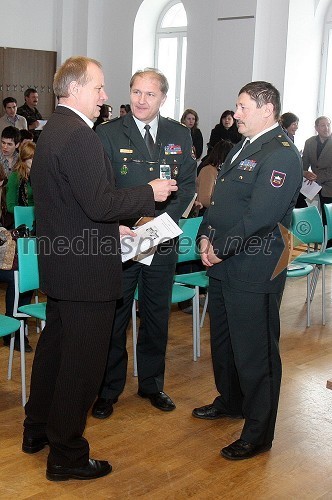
(171, 52)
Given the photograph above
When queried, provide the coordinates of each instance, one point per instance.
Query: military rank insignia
(277, 179)
(248, 165)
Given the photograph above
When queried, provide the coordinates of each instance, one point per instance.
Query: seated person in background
(30, 112)
(10, 141)
(19, 191)
(25, 136)
(226, 129)
(290, 124)
(105, 115)
(208, 173)
(11, 117)
(190, 120)
(124, 109)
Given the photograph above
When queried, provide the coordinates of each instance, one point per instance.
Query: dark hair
(190, 112)
(25, 134)
(126, 107)
(29, 91)
(155, 73)
(227, 112)
(8, 100)
(104, 111)
(218, 153)
(287, 119)
(11, 132)
(263, 93)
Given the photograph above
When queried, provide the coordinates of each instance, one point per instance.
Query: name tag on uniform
(165, 172)
(127, 151)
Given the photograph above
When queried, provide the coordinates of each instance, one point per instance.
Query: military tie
(149, 140)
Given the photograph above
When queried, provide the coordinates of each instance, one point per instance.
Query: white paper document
(41, 125)
(310, 189)
(148, 236)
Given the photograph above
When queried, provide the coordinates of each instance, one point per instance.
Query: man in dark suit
(241, 244)
(135, 161)
(317, 155)
(77, 211)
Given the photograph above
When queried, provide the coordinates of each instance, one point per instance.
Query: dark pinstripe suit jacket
(77, 211)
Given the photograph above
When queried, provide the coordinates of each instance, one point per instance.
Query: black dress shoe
(240, 450)
(94, 469)
(160, 400)
(103, 408)
(210, 412)
(33, 444)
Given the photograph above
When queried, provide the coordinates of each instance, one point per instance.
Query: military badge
(124, 170)
(277, 179)
(173, 149)
(248, 165)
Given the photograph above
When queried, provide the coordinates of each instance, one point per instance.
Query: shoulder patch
(174, 121)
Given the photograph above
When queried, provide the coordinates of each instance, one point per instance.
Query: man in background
(10, 141)
(142, 145)
(11, 117)
(30, 112)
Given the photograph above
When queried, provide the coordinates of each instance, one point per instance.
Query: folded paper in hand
(149, 235)
(309, 189)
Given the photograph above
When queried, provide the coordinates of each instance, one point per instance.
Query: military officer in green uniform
(241, 243)
(142, 146)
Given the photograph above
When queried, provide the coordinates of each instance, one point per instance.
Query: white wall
(282, 44)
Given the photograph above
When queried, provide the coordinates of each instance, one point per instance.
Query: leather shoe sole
(159, 400)
(94, 469)
(210, 412)
(103, 408)
(33, 445)
(240, 450)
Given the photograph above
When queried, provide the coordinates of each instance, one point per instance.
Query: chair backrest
(28, 274)
(24, 215)
(187, 240)
(307, 225)
(328, 213)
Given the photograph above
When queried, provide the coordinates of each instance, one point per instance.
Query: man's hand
(126, 231)
(310, 176)
(208, 256)
(34, 125)
(162, 188)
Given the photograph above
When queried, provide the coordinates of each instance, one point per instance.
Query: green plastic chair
(307, 226)
(24, 215)
(188, 251)
(26, 279)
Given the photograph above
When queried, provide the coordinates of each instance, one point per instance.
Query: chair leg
(308, 300)
(22, 335)
(314, 279)
(323, 296)
(198, 329)
(194, 302)
(134, 326)
(11, 355)
(204, 309)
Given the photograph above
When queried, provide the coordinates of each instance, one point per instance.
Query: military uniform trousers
(67, 371)
(154, 302)
(245, 332)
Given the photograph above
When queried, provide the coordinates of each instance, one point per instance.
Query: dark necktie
(149, 140)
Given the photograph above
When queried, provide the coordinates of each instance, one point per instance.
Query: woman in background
(19, 191)
(190, 120)
(290, 124)
(106, 111)
(226, 129)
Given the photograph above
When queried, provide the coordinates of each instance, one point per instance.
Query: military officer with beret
(241, 243)
(143, 145)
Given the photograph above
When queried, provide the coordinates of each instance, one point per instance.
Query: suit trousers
(67, 371)
(245, 330)
(154, 301)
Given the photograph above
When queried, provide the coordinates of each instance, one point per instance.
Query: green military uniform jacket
(252, 196)
(133, 165)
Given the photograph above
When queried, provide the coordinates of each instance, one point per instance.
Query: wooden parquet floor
(166, 456)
